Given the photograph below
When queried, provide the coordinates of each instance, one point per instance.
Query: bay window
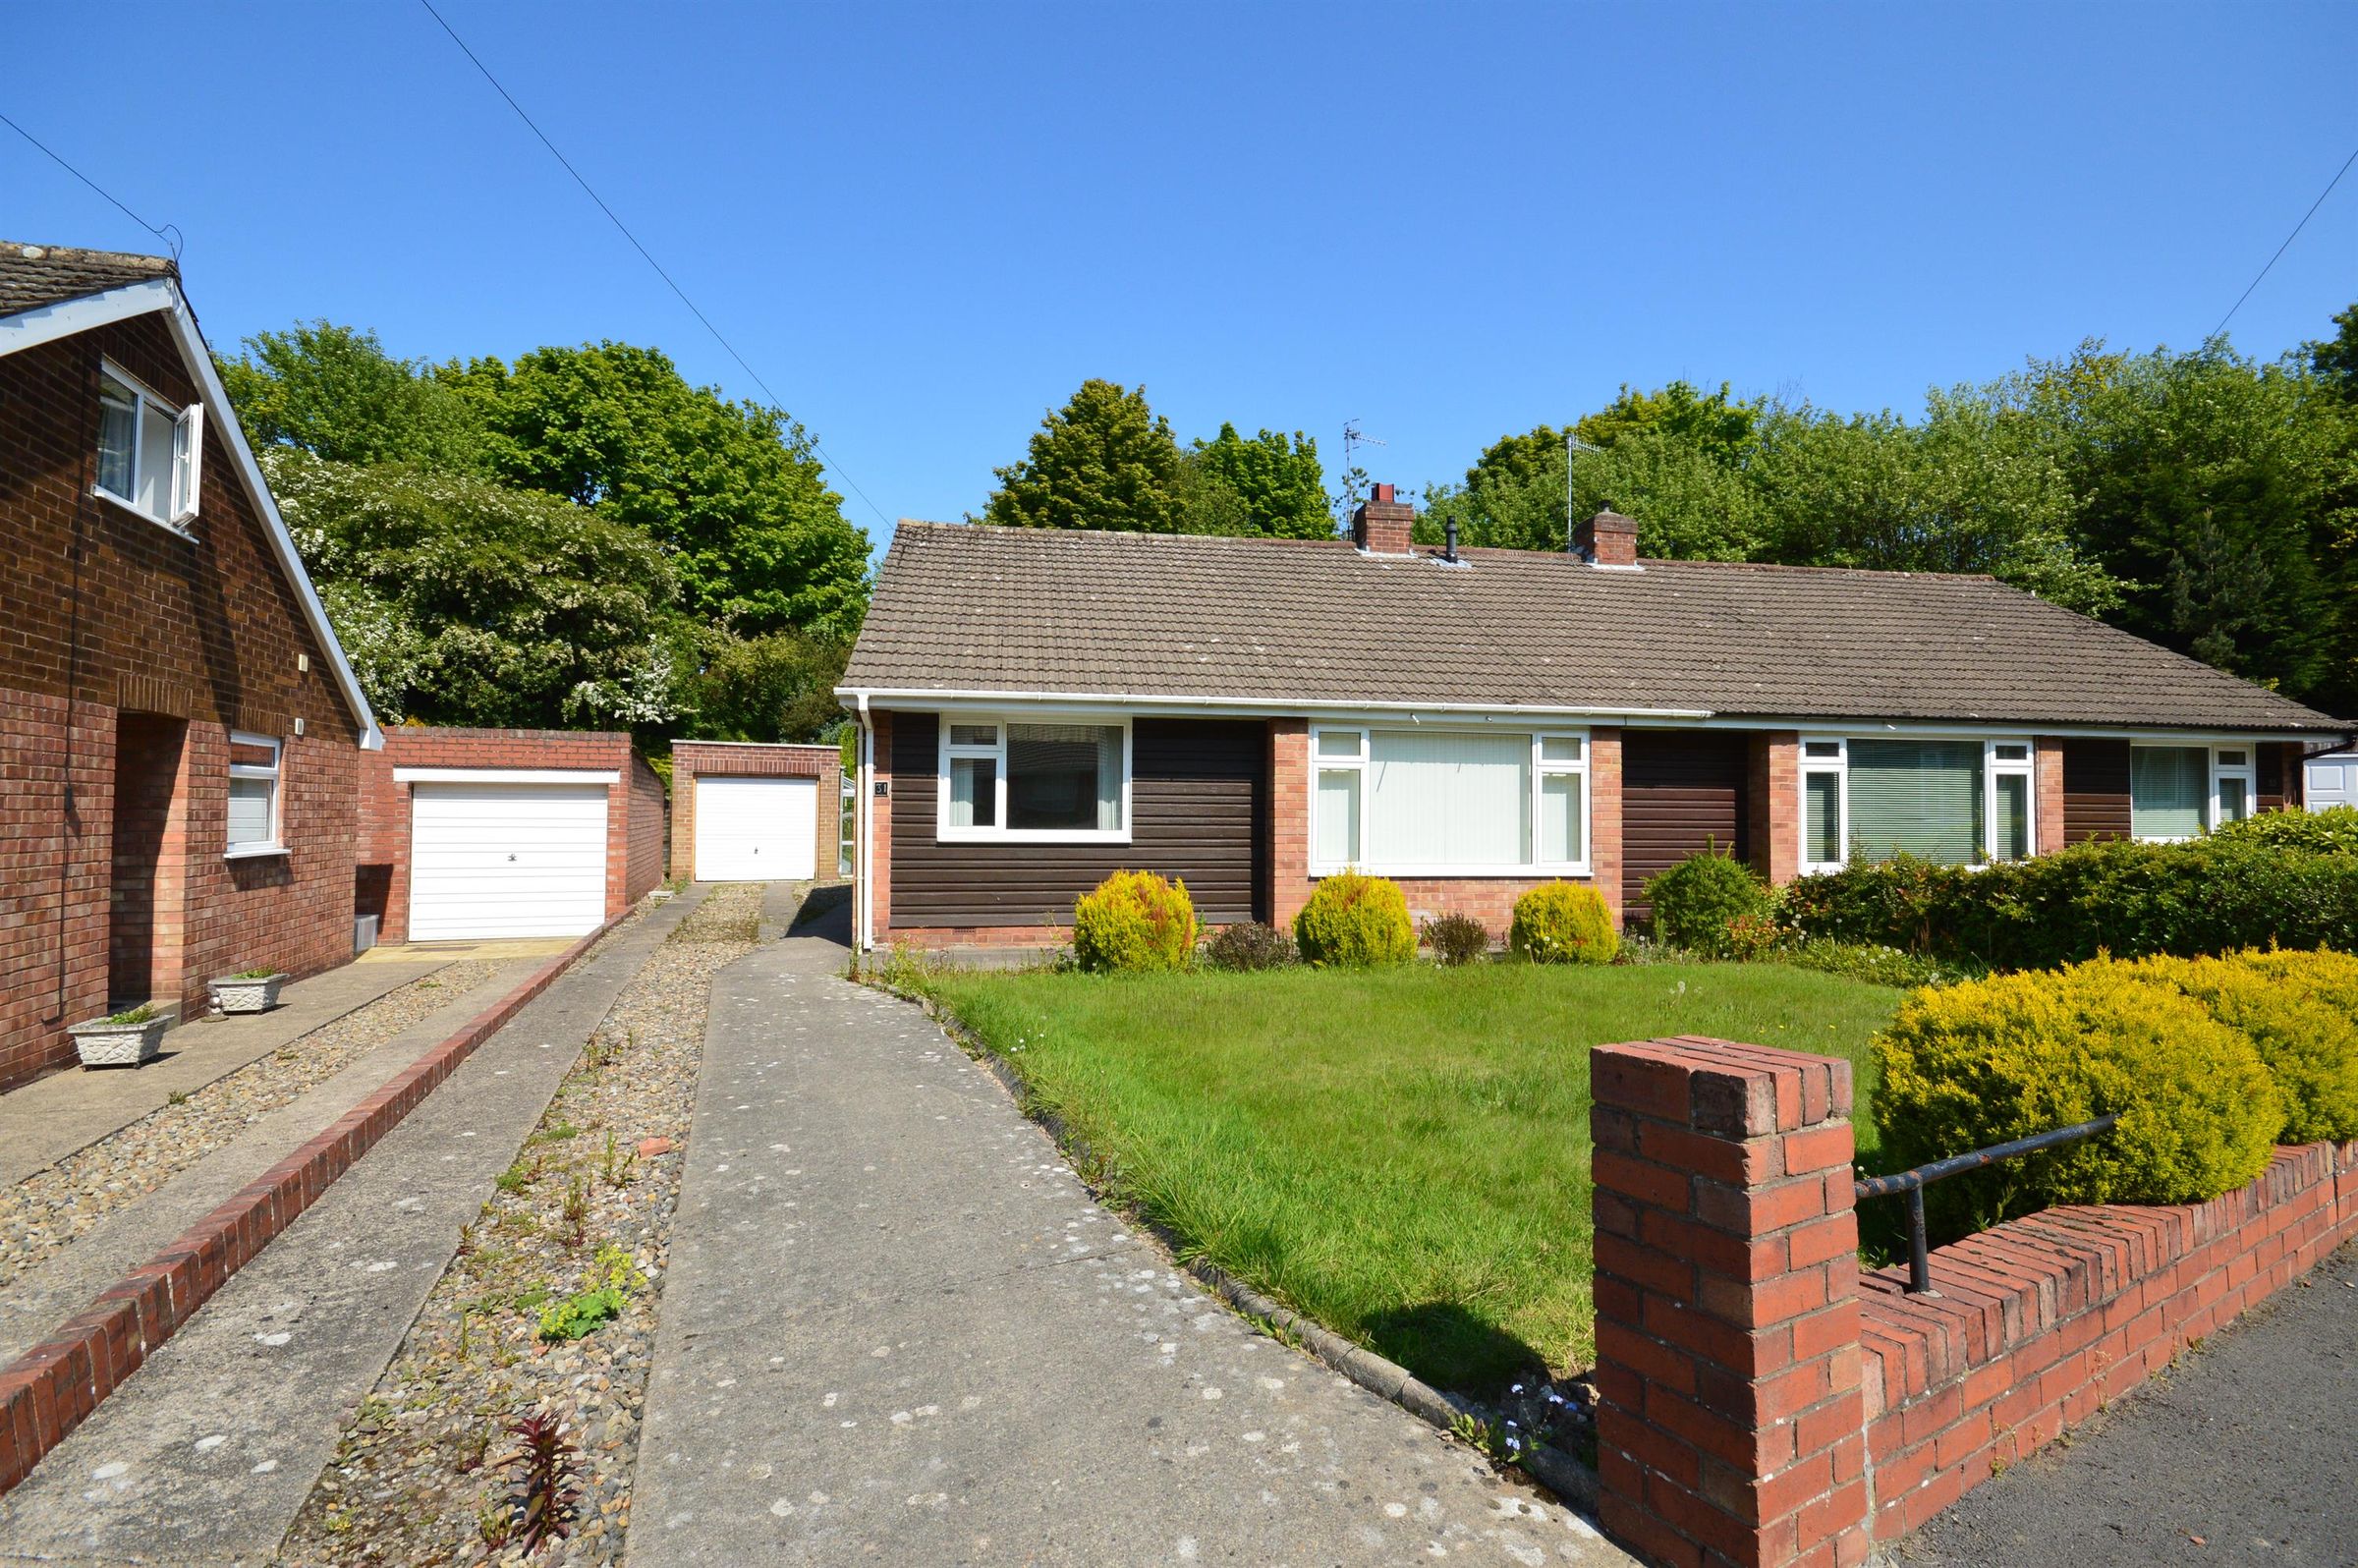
(148, 452)
(1448, 803)
(1953, 802)
(1057, 782)
(2178, 792)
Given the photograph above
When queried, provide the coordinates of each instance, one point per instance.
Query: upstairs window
(150, 453)
(1044, 782)
(253, 795)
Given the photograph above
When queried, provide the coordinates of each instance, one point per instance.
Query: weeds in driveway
(541, 1492)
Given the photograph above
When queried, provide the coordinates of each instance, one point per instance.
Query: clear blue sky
(924, 225)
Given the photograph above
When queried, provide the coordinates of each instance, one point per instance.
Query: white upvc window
(2178, 792)
(1040, 781)
(1423, 802)
(151, 454)
(1954, 802)
(254, 795)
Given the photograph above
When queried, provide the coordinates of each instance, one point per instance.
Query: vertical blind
(1821, 818)
(2168, 790)
(1447, 799)
(1920, 798)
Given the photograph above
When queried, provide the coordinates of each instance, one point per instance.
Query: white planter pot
(104, 1044)
(248, 995)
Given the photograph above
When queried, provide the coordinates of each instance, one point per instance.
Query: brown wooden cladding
(2096, 790)
(1199, 800)
(1682, 791)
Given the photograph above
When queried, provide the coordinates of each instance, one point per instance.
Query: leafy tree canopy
(461, 602)
(1269, 485)
(779, 686)
(1106, 460)
(2335, 360)
(1712, 423)
(334, 392)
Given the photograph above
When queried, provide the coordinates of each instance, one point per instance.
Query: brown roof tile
(1314, 622)
(34, 276)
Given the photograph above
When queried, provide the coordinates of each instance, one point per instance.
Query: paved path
(2244, 1453)
(897, 1330)
(205, 1456)
(49, 1118)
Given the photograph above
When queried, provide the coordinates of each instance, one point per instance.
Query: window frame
(2213, 769)
(2025, 766)
(1540, 767)
(999, 832)
(275, 776)
(182, 487)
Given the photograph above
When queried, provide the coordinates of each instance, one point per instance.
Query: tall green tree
(731, 489)
(334, 392)
(779, 686)
(1718, 426)
(1267, 485)
(1106, 460)
(2335, 360)
(462, 601)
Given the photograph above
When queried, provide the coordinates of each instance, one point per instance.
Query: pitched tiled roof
(34, 276)
(1315, 622)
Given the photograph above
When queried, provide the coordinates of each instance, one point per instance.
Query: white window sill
(254, 852)
(1026, 835)
(1495, 872)
(142, 513)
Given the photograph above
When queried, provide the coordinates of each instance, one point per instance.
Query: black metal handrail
(1913, 1183)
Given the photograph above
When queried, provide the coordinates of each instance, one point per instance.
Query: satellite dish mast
(1353, 439)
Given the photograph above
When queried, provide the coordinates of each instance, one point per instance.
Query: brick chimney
(1380, 525)
(1607, 539)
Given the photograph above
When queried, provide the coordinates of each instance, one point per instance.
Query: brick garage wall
(647, 814)
(386, 827)
(690, 760)
(108, 613)
(1488, 899)
(1762, 1404)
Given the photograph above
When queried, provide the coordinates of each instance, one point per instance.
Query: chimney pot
(1381, 525)
(1607, 539)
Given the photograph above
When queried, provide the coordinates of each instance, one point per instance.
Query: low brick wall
(1762, 1404)
(53, 1387)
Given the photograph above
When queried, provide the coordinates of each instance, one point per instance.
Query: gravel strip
(417, 1476)
(46, 1211)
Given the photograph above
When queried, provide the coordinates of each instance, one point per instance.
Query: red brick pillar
(2046, 782)
(1730, 1428)
(1775, 805)
(1605, 818)
(1289, 885)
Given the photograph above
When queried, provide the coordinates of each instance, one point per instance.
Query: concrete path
(896, 1330)
(205, 1456)
(35, 1303)
(2241, 1454)
(49, 1118)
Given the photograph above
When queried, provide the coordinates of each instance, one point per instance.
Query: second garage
(755, 829)
(492, 860)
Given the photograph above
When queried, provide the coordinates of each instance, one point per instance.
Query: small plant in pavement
(541, 1482)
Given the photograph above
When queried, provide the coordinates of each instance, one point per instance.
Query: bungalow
(1039, 707)
(180, 733)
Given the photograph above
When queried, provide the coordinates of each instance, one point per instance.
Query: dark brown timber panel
(1200, 804)
(2096, 790)
(1682, 791)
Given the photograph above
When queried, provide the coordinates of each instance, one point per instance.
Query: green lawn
(1402, 1154)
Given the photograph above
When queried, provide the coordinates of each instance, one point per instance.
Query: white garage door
(506, 860)
(2330, 781)
(755, 829)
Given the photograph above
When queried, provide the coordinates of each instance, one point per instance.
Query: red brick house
(1040, 707)
(180, 733)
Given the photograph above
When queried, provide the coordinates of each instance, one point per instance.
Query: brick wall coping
(53, 1387)
(427, 734)
(763, 746)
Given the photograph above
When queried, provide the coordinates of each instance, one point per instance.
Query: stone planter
(104, 1044)
(233, 995)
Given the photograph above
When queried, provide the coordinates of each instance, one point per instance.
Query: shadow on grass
(1451, 1348)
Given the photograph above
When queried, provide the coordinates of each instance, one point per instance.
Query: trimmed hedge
(2300, 1010)
(2285, 879)
(1992, 1060)
(1563, 923)
(1353, 922)
(1134, 920)
(1711, 903)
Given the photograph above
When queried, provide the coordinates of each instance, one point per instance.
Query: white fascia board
(507, 775)
(948, 699)
(30, 328)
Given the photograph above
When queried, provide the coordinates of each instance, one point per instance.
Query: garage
(2330, 781)
(506, 859)
(755, 829)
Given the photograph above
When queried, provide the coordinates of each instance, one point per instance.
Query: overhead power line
(2289, 239)
(169, 232)
(646, 254)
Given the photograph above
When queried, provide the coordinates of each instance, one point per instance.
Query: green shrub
(1134, 920)
(2300, 1010)
(1877, 966)
(1457, 939)
(1563, 923)
(1250, 945)
(2245, 887)
(1352, 920)
(2331, 831)
(1992, 1060)
(1712, 904)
